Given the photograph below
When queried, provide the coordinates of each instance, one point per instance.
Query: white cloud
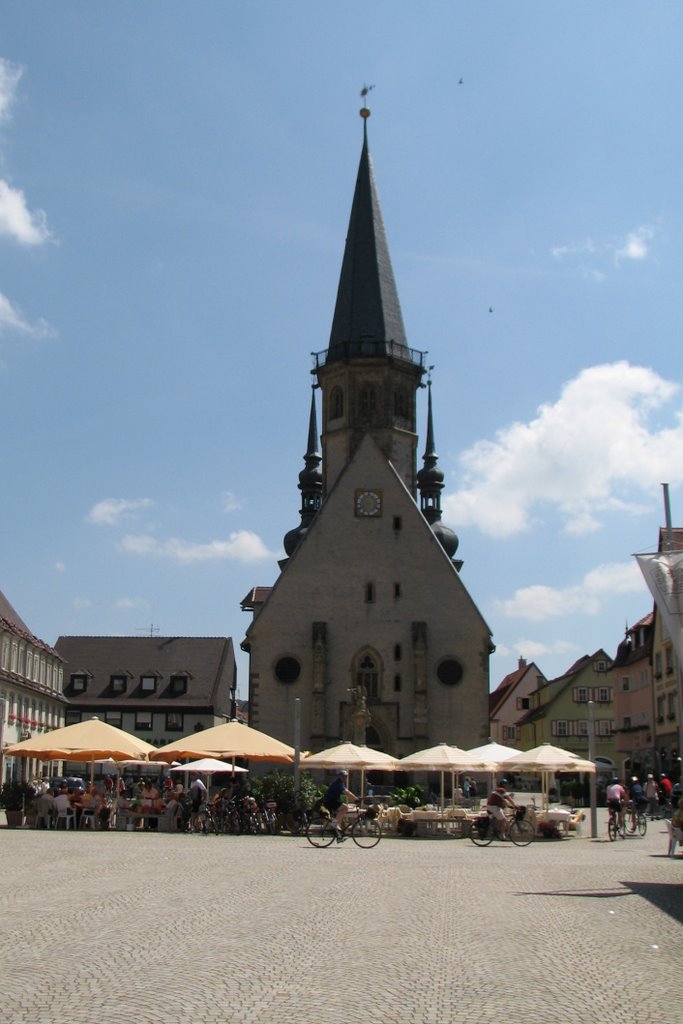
(584, 455)
(13, 320)
(540, 602)
(241, 546)
(9, 79)
(82, 602)
(589, 255)
(17, 221)
(111, 511)
(60, 567)
(131, 604)
(230, 502)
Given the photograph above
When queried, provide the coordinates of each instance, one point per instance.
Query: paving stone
(112, 928)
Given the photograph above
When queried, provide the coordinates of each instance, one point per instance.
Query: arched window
(336, 403)
(367, 677)
(401, 404)
(367, 403)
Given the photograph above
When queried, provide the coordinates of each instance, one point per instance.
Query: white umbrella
(441, 758)
(547, 760)
(351, 755)
(207, 766)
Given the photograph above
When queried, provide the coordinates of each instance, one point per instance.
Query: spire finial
(365, 111)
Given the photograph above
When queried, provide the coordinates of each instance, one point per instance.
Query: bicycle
(363, 827)
(636, 819)
(615, 825)
(518, 830)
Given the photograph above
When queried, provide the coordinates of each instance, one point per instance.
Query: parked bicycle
(359, 824)
(518, 830)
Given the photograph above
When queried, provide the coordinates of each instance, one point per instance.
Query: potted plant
(15, 799)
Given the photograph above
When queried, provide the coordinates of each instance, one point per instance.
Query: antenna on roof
(150, 630)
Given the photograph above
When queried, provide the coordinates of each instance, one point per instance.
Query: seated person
(173, 811)
(496, 804)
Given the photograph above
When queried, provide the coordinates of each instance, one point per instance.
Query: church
(369, 624)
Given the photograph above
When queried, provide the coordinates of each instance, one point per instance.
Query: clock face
(368, 503)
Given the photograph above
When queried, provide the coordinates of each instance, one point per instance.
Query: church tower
(369, 612)
(368, 376)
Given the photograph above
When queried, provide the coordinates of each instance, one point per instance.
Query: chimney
(522, 663)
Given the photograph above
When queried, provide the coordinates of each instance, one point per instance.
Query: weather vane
(365, 111)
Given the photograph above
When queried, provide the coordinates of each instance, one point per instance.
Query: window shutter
(553, 728)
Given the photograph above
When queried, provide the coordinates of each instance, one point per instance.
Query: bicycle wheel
(631, 823)
(481, 832)
(366, 832)
(642, 824)
(521, 832)
(320, 832)
(612, 829)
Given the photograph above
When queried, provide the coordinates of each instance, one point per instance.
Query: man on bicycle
(496, 804)
(335, 795)
(616, 798)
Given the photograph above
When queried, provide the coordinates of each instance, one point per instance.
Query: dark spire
(430, 485)
(310, 483)
(367, 317)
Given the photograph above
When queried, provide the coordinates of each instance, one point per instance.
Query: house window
(143, 721)
(625, 684)
(397, 652)
(72, 717)
(669, 656)
(600, 665)
(603, 694)
(398, 523)
(671, 706)
(148, 684)
(522, 703)
(79, 683)
(397, 682)
(581, 695)
(369, 593)
(582, 727)
(627, 721)
(401, 403)
(114, 718)
(658, 665)
(660, 707)
(561, 727)
(397, 589)
(118, 684)
(178, 685)
(174, 721)
(604, 728)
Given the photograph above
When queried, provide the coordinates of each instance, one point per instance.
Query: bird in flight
(461, 81)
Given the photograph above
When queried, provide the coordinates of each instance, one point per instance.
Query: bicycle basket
(520, 813)
(371, 812)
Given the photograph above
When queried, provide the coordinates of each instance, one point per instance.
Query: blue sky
(175, 186)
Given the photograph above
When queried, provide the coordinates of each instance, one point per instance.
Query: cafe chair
(88, 819)
(675, 837)
(68, 816)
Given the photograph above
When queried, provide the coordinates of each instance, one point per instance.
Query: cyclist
(496, 804)
(335, 795)
(638, 795)
(616, 798)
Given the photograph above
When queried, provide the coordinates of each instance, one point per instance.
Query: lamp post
(591, 757)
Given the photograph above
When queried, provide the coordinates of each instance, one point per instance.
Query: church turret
(369, 376)
(430, 485)
(310, 483)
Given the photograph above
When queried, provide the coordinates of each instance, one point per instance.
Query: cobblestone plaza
(163, 929)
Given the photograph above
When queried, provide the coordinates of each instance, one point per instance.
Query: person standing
(198, 795)
(652, 796)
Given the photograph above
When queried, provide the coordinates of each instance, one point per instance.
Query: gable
(393, 545)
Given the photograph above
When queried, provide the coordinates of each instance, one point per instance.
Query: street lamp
(592, 781)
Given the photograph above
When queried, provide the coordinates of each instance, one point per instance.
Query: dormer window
(118, 683)
(178, 685)
(148, 684)
(79, 682)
